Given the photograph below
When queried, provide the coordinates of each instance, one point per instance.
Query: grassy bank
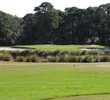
(53, 80)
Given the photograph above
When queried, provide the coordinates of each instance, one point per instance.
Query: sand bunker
(12, 49)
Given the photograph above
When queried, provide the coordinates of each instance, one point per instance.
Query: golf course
(54, 81)
(55, 50)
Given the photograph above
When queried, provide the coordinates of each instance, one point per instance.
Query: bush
(1, 56)
(52, 59)
(83, 52)
(72, 59)
(20, 53)
(61, 58)
(54, 53)
(94, 53)
(87, 58)
(63, 53)
(34, 58)
(42, 53)
(27, 59)
(105, 58)
(107, 52)
(44, 60)
(20, 59)
(6, 57)
(75, 53)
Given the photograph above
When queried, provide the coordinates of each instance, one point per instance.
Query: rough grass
(60, 47)
(53, 80)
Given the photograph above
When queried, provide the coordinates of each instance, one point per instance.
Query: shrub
(83, 52)
(75, 53)
(52, 59)
(63, 53)
(61, 58)
(20, 59)
(20, 53)
(34, 58)
(54, 53)
(96, 58)
(105, 58)
(72, 59)
(95, 53)
(6, 57)
(107, 52)
(1, 56)
(100, 53)
(42, 53)
(87, 58)
(27, 59)
(44, 60)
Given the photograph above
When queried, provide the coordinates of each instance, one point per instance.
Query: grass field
(59, 81)
(60, 47)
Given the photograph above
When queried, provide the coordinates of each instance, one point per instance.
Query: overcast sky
(22, 7)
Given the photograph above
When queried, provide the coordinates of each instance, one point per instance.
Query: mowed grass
(60, 47)
(45, 81)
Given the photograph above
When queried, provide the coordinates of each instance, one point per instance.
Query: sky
(21, 7)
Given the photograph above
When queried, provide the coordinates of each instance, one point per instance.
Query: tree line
(51, 26)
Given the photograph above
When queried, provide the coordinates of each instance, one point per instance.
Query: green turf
(46, 81)
(60, 47)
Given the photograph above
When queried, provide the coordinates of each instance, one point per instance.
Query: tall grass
(55, 56)
(6, 57)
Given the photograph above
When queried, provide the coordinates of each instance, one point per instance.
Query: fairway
(59, 81)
